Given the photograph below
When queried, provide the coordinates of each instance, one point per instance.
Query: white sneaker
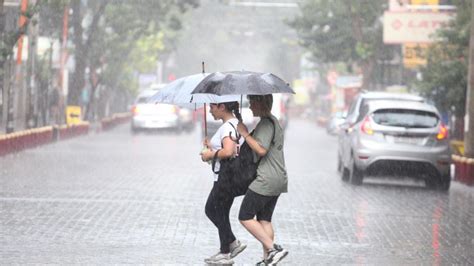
(219, 258)
(275, 255)
(236, 247)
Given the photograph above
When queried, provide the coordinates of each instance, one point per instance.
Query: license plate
(407, 140)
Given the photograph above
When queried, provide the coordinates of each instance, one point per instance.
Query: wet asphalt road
(115, 198)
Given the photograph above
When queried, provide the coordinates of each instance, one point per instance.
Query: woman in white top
(218, 204)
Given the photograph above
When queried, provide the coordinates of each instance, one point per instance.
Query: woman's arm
(228, 148)
(253, 144)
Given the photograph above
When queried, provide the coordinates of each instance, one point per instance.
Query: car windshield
(405, 118)
(142, 99)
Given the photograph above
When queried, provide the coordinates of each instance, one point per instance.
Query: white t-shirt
(224, 131)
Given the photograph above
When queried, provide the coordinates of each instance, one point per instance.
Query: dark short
(258, 205)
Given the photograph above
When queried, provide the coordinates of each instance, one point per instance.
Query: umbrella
(179, 91)
(242, 82)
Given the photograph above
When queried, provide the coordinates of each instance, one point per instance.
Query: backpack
(237, 173)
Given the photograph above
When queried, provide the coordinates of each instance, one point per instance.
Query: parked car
(356, 111)
(187, 118)
(397, 138)
(154, 115)
(333, 126)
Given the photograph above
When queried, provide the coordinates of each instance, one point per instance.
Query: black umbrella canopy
(242, 83)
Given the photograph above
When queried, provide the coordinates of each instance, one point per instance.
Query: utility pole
(31, 90)
(2, 59)
(10, 114)
(469, 118)
(63, 71)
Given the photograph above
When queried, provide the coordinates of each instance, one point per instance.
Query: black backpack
(236, 174)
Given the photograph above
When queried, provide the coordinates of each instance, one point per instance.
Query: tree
(444, 78)
(8, 40)
(114, 31)
(343, 31)
(83, 45)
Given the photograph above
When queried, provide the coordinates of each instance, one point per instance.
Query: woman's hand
(242, 129)
(206, 154)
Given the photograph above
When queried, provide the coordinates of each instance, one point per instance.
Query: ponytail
(234, 108)
(237, 113)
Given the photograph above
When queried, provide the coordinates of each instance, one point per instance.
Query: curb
(464, 169)
(31, 138)
(116, 119)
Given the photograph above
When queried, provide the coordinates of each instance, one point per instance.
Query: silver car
(399, 138)
(356, 111)
(333, 126)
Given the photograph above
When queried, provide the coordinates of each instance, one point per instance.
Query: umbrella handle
(205, 122)
(241, 99)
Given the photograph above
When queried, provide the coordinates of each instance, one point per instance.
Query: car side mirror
(346, 127)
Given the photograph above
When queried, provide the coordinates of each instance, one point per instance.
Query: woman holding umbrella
(267, 143)
(221, 146)
(272, 180)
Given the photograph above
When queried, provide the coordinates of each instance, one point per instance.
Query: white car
(154, 115)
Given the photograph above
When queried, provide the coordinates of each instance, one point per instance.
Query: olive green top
(272, 179)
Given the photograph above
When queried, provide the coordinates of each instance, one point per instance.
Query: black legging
(217, 210)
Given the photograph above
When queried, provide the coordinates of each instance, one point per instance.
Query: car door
(345, 134)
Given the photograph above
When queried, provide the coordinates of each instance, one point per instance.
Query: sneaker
(236, 247)
(275, 255)
(261, 263)
(219, 258)
(211, 257)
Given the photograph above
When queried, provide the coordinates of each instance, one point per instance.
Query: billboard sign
(414, 55)
(412, 27)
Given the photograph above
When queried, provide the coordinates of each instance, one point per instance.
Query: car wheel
(439, 183)
(355, 175)
(339, 164)
(177, 129)
(134, 130)
(444, 183)
(342, 170)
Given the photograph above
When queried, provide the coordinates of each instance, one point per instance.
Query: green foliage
(133, 34)
(324, 28)
(445, 75)
(146, 52)
(10, 39)
(121, 38)
(327, 29)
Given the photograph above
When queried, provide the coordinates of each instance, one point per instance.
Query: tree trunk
(2, 61)
(469, 119)
(366, 65)
(367, 70)
(78, 79)
(32, 91)
(82, 49)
